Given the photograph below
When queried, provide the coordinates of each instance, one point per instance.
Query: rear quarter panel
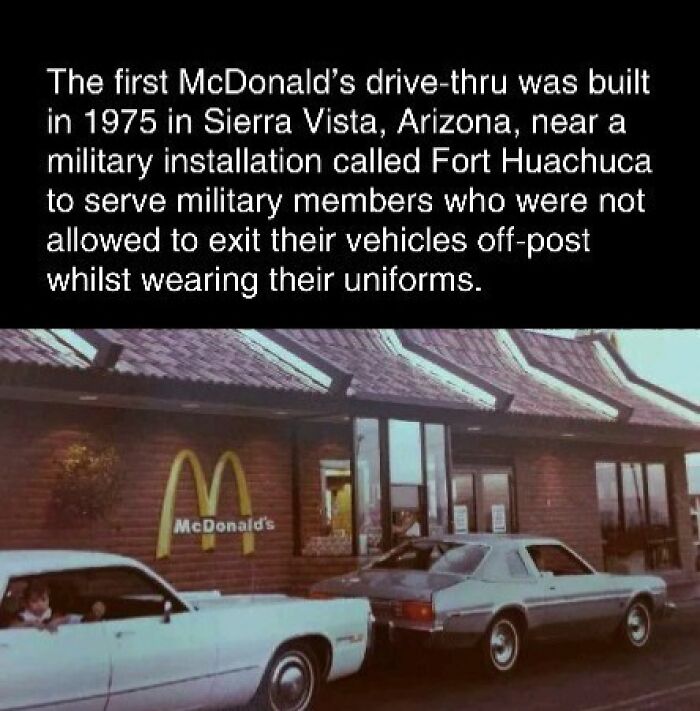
(465, 610)
(249, 636)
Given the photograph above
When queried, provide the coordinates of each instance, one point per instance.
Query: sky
(670, 358)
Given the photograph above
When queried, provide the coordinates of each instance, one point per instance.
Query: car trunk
(386, 584)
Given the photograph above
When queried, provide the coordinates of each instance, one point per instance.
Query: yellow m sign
(207, 498)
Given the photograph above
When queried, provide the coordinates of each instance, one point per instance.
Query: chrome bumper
(398, 635)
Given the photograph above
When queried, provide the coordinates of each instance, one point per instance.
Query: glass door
(482, 499)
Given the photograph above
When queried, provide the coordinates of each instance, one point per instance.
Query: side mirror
(167, 611)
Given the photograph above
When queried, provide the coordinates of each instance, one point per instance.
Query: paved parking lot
(589, 676)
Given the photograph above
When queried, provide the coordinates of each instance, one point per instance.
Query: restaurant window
(418, 479)
(408, 496)
(335, 507)
(368, 487)
(404, 461)
(633, 502)
(436, 476)
(482, 499)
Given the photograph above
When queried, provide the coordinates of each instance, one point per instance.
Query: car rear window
(435, 557)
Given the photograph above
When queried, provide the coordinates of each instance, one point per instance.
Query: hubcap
(638, 625)
(291, 684)
(504, 644)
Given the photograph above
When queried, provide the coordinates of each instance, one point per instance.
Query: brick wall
(34, 437)
(556, 487)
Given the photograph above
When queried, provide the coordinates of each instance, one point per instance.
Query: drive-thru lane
(575, 677)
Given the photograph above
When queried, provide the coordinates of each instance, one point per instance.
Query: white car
(156, 649)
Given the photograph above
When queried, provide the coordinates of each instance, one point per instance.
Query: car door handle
(123, 633)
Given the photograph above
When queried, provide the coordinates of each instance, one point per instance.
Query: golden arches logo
(207, 498)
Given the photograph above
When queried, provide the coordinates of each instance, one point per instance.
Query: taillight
(414, 610)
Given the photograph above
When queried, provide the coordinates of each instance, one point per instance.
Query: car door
(67, 670)
(158, 660)
(573, 600)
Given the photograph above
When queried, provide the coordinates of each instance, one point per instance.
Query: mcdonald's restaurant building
(263, 460)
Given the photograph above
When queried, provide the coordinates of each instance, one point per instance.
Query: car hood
(388, 584)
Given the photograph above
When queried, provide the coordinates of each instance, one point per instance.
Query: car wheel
(635, 630)
(501, 645)
(291, 681)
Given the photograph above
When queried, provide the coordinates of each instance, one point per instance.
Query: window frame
(385, 481)
(645, 527)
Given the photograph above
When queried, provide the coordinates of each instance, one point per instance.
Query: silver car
(495, 591)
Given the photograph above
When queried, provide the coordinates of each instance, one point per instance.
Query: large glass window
(406, 474)
(368, 486)
(405, 457)
(659, 514)
(608, 498)
(436, 472)
(633, 500)
(633, 497)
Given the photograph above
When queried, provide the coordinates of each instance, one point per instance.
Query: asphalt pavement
(587, 676)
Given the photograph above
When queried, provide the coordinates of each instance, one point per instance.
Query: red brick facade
(34, 438)
(555, 488)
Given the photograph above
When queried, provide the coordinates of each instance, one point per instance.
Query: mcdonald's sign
(207, 505)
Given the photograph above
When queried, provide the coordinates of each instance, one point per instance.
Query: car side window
(95, 594)
(127, 592)
(57, 593)
(556, 560)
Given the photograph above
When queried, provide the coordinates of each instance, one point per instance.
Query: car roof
(493, 539)
(28, 562)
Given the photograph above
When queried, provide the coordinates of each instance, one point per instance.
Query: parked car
(496, 591)
(154, 648)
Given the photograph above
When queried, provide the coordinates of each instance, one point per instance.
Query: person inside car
(37, 612)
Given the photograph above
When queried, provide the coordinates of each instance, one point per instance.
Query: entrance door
(482, 499)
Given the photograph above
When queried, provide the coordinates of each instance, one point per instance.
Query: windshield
(434, 557)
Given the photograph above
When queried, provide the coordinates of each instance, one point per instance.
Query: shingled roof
(377, 369)
(38, 347)
(206, 355)
(580, 360)
(478, 352)
(223, 357)
(518, 372)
